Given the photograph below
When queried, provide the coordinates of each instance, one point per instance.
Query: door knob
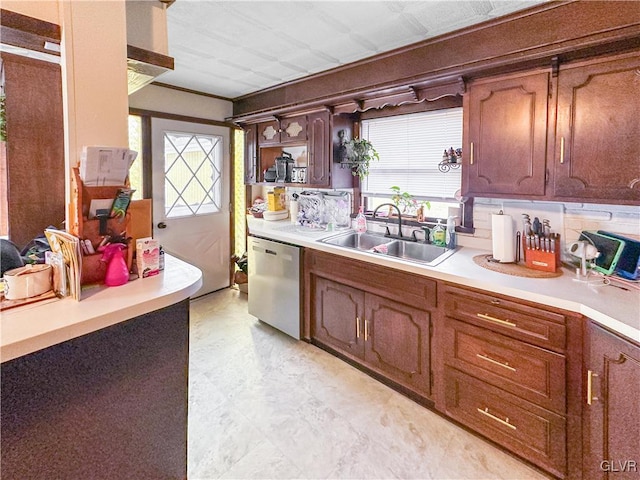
(162, 225)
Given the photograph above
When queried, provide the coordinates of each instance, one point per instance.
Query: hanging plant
(359, 153)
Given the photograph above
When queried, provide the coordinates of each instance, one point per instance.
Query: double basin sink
(424, 253)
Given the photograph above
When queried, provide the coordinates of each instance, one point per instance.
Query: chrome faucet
(388, 233)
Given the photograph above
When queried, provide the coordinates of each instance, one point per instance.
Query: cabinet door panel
(338, 315)
(398, 341)
(269, 133)
(612, 421)
(320, 150)
(598, 138)
(507, 128)
(250, 154)
(293, 129)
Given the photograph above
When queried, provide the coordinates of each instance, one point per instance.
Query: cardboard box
(277, 199)
(147, 257)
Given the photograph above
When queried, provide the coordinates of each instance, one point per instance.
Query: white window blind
(410, 149)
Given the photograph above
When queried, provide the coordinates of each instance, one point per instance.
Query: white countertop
(609, 306)
(36, 326)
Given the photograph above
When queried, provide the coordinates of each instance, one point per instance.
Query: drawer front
(523, 322)
(406, 288)
(528, 371)
(525, 429)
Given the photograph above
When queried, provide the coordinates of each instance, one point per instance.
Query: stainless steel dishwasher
(274, 284)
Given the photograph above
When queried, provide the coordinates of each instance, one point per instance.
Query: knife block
(537, 259)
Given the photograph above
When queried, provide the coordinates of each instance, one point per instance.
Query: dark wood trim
(180, 118)
(28, 32)
(147, 56)
(188, 90)
(535, 36)
(147, 162)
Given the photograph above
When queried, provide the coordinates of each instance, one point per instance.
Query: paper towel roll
(503, 239)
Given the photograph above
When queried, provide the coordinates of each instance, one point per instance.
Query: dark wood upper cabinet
(268, 133)
(320, 150)
(283, 131)
(597, 143)
(293, 130)
(612, 407)
(505, 136)
(250, 154)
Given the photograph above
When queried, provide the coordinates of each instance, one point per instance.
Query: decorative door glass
(193, 174)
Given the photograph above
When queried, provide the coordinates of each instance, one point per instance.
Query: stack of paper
(69, 246)
(105, 166)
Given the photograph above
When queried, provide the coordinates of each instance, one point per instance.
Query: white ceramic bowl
(279, 215)
(27, 281)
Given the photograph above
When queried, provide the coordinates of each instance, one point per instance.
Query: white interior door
(191, 195)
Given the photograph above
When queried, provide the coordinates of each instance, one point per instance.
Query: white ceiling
(231, 48)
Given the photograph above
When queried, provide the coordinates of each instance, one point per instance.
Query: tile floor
(264, 406)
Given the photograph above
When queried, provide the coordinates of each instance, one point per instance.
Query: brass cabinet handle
(496, 320)
(590, 397)
(561, 150)
(366, 330)
(357, 327)
(504, 422)
(471, 154)
(495, 362)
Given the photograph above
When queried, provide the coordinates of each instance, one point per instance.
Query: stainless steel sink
(418, 252)
(359, 241)
(422, 253)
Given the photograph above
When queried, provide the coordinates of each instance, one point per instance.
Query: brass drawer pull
(471, 154)
(366, 330)
(496, 320)
(495, 362)
(357, 327)
(590, 397)
(561, 150)
(504, 422)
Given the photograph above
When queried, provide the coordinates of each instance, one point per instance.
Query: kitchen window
(411, 148)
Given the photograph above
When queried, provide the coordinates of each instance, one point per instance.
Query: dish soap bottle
(361, 221)
(438, 235)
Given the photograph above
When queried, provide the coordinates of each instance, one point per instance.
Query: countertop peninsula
(37, 326)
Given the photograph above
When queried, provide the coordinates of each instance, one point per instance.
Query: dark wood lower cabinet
(338, 310)
(386, 336)
(397, 341)
(611, 410)
(520, 374)
(375, 317)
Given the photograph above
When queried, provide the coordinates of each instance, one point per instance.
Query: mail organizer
(86, 228)
(542, 253)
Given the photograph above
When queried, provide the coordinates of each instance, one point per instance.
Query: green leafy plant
(403, 200)
(406, 202)
(359, 155)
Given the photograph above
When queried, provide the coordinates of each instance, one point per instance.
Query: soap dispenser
(438, 235)
(450, 237)
(361, 222)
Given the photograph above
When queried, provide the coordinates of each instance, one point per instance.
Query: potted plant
(359, 153)
(407, 204)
